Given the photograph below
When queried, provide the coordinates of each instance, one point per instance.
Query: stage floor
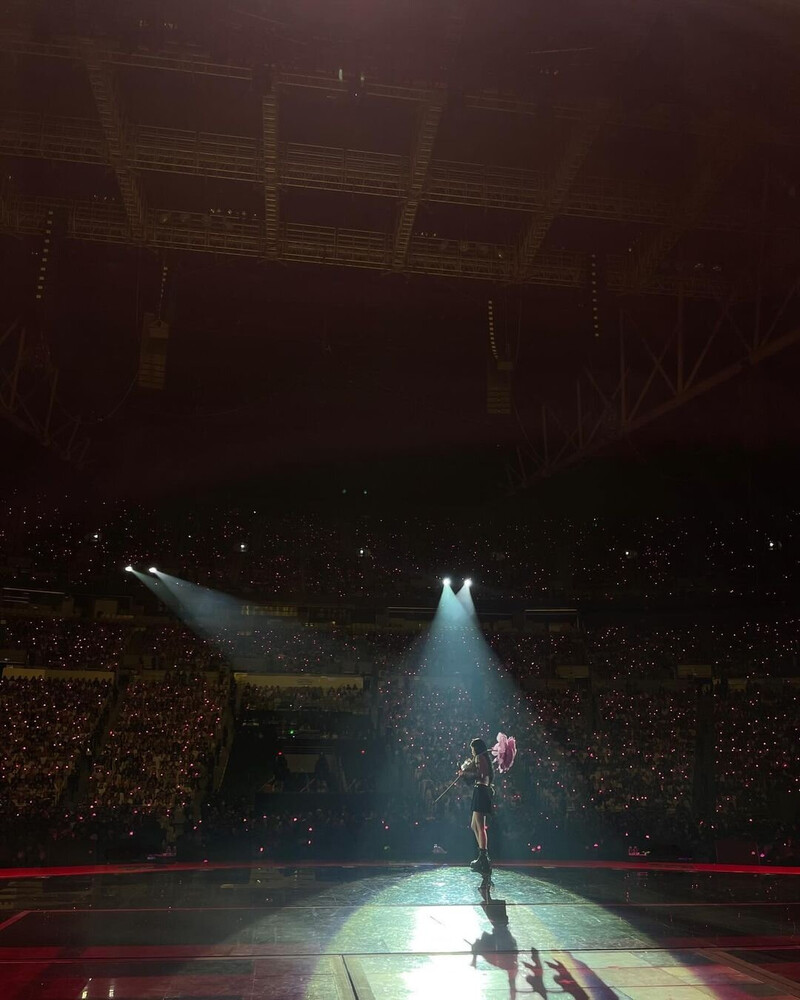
(394, 931)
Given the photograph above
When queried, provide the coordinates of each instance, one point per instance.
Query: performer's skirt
(481, 799)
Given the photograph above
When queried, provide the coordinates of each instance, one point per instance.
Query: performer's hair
(478, 747)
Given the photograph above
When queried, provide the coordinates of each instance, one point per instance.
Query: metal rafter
(29, 397)
(329, 168)
(655, 377)
(716, 155)
(661, 117)
(7, 222)
(106, 222)
(580, 142)
(427, 129)
(105, 97)
(269, 123)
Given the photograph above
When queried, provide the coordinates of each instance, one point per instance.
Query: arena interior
(378, 376)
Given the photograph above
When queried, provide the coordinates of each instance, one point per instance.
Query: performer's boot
(482, 863)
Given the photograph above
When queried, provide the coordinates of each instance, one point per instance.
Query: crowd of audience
(169, 645)
(652, 647)
(161, 748)
(355, 554)
(46, 731)
(609, 774)
(278, 646)
(57, 642)
(349, 827)
(624, 759)
(757, 755)
(641, 764)
(729, 645)
(140, 759)
(350, 698)
(304, 713)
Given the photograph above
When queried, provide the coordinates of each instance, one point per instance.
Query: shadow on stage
(499, 948)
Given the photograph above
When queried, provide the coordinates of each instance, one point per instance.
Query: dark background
(295, 381)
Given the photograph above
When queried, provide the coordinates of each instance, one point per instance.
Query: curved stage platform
(389, 932)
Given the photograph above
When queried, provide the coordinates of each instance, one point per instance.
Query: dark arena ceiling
(395, 227)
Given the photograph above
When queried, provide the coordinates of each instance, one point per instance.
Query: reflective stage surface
(399, 932)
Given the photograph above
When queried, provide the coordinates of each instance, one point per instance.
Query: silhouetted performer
(479, 767)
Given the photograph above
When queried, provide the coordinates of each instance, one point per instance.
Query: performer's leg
(482, 863)
(479, 829)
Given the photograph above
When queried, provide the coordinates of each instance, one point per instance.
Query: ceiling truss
(540, 196)
(269, 119)
(656, 376)
(104, 91)
(29, 396)
(105, 222)
(715, 157)
(430, 115)
(350, 171)
(661, 117)
(558, 188)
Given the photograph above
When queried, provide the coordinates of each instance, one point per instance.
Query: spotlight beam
(464, 596)
(157, 589)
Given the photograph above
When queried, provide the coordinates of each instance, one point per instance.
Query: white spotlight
(129, 569)
(446, 581)
(468, 582)
(152, 570)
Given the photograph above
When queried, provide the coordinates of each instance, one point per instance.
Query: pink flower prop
(504, 752)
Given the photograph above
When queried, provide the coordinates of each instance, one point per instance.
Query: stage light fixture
(152, 570)
(468, 582)
(446, 581)
(129, 569)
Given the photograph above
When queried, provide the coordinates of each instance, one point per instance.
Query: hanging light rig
(595, 300)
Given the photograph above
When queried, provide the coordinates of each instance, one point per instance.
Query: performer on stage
(479, 767)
